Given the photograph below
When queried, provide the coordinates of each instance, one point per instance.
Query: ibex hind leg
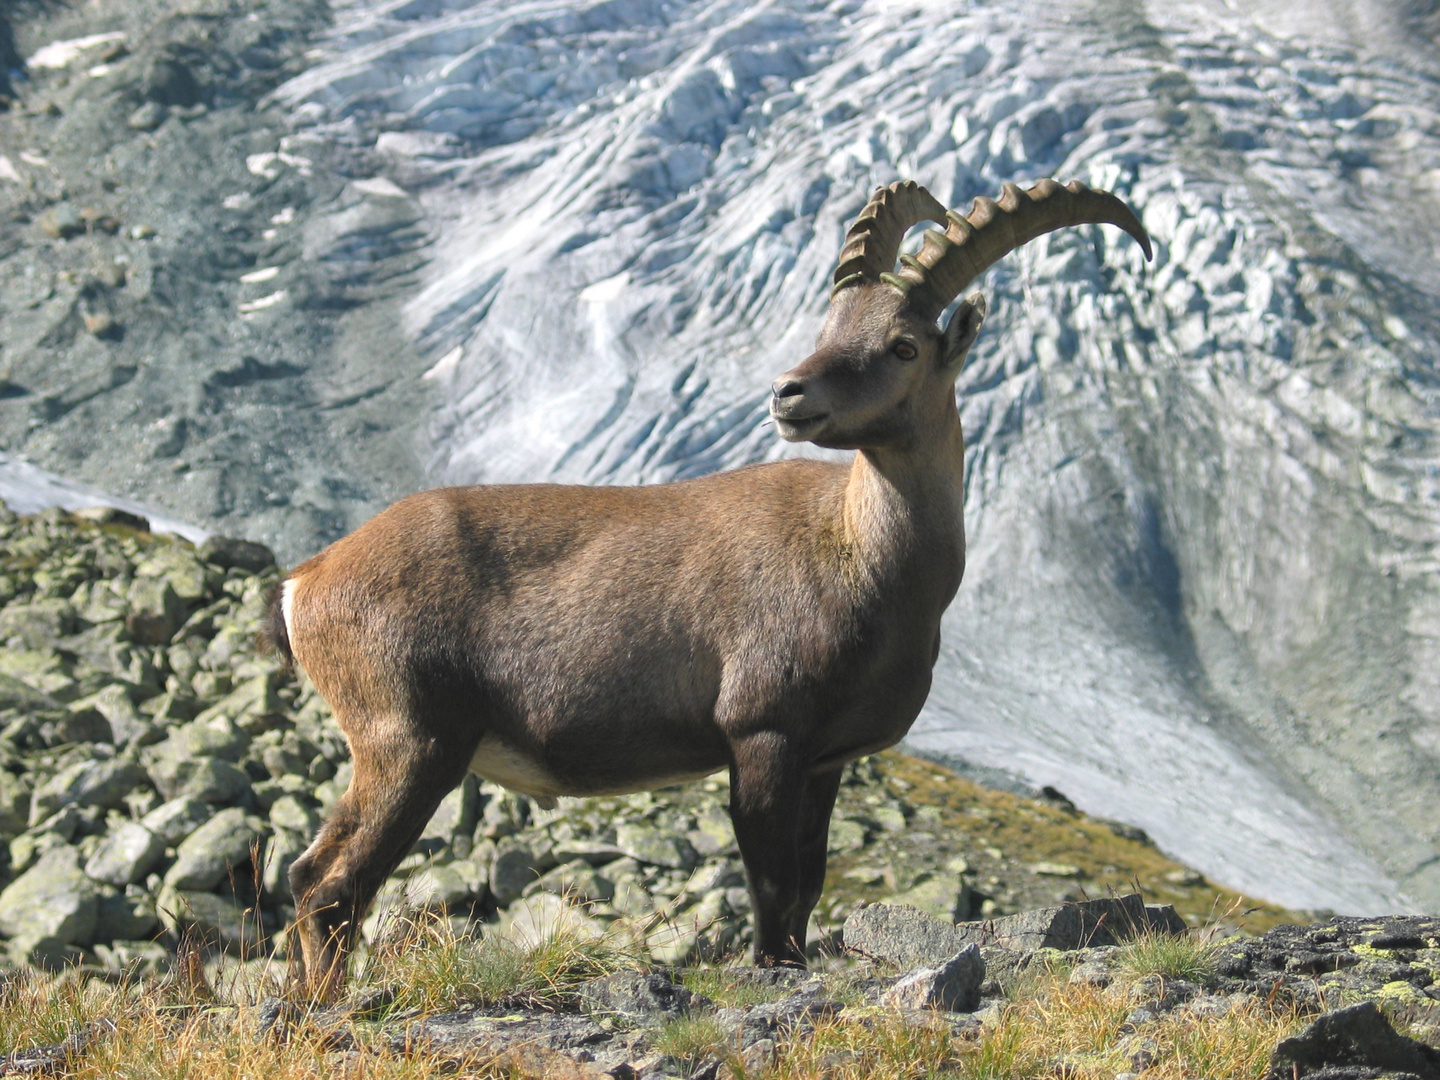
(396, 787)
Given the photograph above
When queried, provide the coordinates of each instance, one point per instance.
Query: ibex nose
(784, 387)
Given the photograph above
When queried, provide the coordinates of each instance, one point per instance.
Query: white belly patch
(501, 763)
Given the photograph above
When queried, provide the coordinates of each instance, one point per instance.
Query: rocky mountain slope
(156, 774)
(401, 242)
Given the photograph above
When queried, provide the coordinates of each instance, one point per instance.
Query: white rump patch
(287, 603)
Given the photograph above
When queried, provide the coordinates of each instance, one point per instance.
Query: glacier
(1203, 494)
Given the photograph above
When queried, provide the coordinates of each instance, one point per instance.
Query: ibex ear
(962, 330)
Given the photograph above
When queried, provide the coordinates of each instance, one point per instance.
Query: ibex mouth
(798, 428)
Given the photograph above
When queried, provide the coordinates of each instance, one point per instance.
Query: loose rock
(102, 783)
(901, 935)
(214, 850)
(126, 855)
(1359, 1036)
(952, 987)
(655, 848)
(177, 819)
(639, 997)
(51, 905)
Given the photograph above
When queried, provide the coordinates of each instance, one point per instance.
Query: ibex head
(882, 366)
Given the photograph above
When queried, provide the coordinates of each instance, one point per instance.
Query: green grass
(692, 1040)
(1169, 956)
(729, 988)
(426, 965)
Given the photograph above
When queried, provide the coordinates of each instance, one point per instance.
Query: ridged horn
(873, 241)
(970, 245)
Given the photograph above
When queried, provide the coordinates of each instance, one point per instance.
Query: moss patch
(1002, 846)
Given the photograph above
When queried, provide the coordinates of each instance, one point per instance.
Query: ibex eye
(904, 350)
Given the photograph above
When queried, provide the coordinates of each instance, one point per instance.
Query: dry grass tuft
(156, 1038)
(1053, 1022)
(886, 1045)
(427, 965)
(1236, 1045)
(1076, 1030)
(42, 1010)
(209, 1044)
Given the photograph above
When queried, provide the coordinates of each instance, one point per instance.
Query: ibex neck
(905, 507)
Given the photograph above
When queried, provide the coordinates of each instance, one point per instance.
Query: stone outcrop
(639, 997)
(906, 936)
(1355, 1042)
(1393, 960)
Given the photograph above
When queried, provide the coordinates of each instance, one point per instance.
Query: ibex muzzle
(777, 621)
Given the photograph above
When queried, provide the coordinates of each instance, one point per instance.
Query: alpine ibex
(777, 621)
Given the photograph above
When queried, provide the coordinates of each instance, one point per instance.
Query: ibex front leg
(771, 802)
(818, 805)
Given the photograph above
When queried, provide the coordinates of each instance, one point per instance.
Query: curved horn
(874, 240)
(949, 261)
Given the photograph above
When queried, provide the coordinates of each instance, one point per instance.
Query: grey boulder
(639, 997)
(51, 905)
(127, 723)
(655, 848)
(102, 783)
(174, 820)
(946, 896)
(953, 986)
(1356, 1041)
(227, 552)
(514, 868)
(15, 694)
(213, 851)
(210, 918)
(207, 779)
(901, 935)
(38, 624)
(190, 762)
(125, 855)
(1079, 925)
(14, 805)
(125, 916)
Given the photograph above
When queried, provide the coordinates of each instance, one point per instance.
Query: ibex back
(777, 621)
